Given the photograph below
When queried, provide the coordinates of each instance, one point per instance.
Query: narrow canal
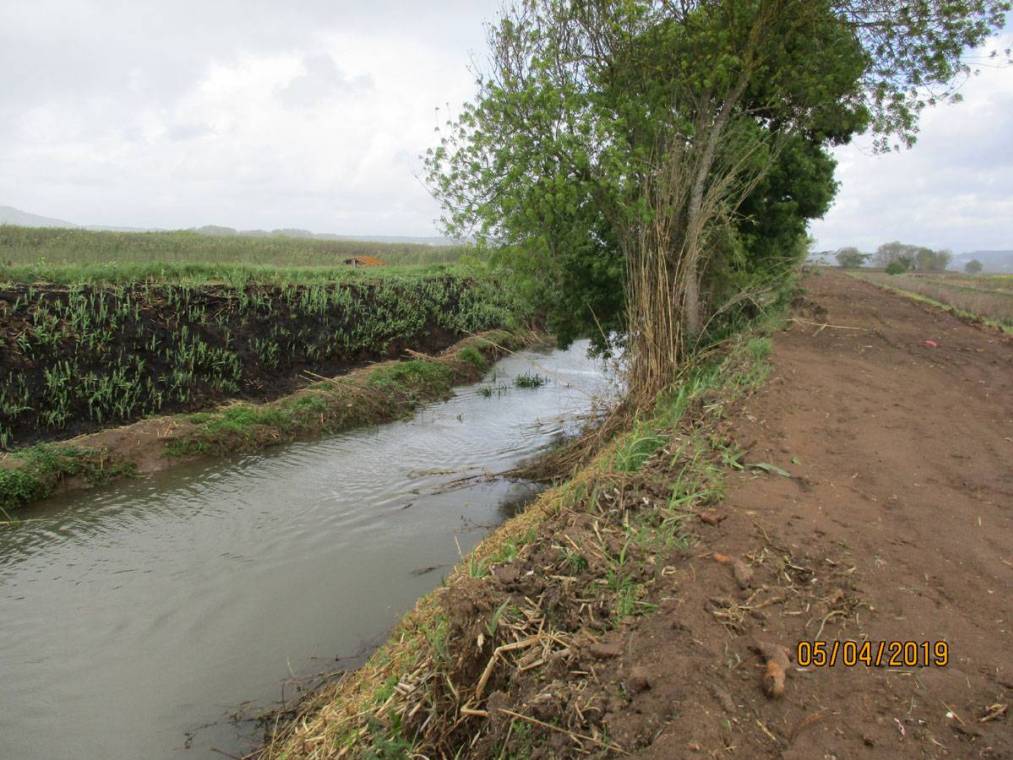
(135, 620)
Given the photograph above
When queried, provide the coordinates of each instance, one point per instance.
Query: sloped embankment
(654, 605)
(370, 395)
(502, 661)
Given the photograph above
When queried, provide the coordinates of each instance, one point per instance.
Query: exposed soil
(79, 359)
(895, 525)
(872, 504)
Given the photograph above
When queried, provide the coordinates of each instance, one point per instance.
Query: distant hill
(213, 229)
(998, 262)
(10, 215)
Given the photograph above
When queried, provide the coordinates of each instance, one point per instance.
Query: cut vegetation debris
(502, 658)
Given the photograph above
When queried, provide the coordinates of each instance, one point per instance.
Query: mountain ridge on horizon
(17, 217)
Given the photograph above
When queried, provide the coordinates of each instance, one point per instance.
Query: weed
(39, 470)
(473, 356)
(528, 380)
(493, 625)
(412, 376)
(577, 563)
(638, 447)
(477, 568)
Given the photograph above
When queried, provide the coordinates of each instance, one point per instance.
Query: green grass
(529, 380)
(106, 354)
(413, 377)
(474, 357)
(62, 255)
(638, 498)
(40, 469)
(389, 391)
(382, 394)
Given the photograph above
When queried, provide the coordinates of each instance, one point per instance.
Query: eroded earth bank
(857, 489)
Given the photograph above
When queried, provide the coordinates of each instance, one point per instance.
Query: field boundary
(964, 315)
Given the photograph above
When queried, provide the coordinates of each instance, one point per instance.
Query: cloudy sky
(312, 114)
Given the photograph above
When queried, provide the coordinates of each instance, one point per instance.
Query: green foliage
(474, 357)
(973, 266)
(898, 266)
(851, 258)
(103, 354)
(413, 377)
(387, 742)
(684, 142)
(529, 380)
(38, 470)
(637, 448)
(759, 348)
(19, 487)
(912, 257)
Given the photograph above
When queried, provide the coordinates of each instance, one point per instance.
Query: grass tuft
(529, 380)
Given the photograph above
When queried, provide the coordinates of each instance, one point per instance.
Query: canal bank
(140, 615)
(370, 395)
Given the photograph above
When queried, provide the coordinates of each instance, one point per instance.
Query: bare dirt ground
(872, 504)
(896, 525)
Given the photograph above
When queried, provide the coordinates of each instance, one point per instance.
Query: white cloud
(255, 113)
(954, 189)
(249, 114)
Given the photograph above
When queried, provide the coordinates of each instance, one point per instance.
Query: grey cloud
(954, 189)
(103, 94)
(322, 79)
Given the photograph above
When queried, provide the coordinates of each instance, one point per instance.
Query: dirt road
(896, 525)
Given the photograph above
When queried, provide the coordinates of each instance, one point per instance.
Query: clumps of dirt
(803, 306)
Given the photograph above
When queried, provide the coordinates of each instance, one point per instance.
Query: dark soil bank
(76, 359)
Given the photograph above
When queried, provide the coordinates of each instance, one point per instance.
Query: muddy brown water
(134, 621)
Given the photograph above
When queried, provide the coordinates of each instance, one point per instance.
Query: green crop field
(66, 255)
(103, 328)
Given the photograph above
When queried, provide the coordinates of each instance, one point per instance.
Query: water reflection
(136, 614)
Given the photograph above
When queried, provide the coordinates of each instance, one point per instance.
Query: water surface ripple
(135, 619)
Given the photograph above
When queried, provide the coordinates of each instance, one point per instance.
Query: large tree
(639, 164)
(851, 257)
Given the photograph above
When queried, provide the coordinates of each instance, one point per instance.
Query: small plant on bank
(528, 380)
(473, 356)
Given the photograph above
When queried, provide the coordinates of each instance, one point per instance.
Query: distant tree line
(897, 257)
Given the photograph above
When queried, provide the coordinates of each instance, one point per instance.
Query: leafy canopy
(693, 130)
